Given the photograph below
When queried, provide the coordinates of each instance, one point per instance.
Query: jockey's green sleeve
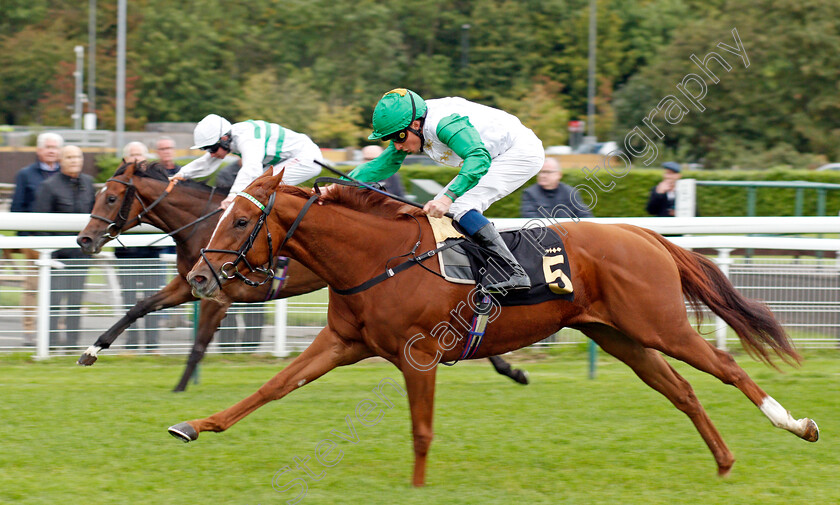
(460, 135)
(380, 168)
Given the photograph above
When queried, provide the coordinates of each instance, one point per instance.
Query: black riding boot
(489, 238)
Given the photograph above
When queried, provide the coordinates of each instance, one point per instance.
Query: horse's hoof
(812, 431)
(183, 432)
(86, 360)
(522, 377)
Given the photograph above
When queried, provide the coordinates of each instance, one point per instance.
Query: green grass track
(98, 435)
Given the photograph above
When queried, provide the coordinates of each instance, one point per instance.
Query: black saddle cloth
(541, 253)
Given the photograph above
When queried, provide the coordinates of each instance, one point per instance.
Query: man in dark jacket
(27, 181)
(549, 193)
(165, 149)
(29, 178)
(662, 200)
(68, 191)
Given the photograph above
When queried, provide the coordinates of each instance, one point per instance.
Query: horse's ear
(129, 167)
(276, 177)
(268, 180)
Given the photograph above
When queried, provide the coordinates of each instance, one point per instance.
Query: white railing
(293, 326)
(665, 225)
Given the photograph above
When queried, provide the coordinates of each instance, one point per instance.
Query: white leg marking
(781, 418)
(92, 350)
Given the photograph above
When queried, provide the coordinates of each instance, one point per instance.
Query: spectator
(29, 178)
(663, 196)
(27, 181)
(259, 144)
(68, 191)
(549, 193)
(140, 274)
(135, 151)
(253, 315)
(165, 149)
(392, 184)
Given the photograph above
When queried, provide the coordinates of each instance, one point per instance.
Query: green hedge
(629, 196)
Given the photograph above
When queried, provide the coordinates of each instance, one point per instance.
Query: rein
(230, 270)
(116, 226)
(390, 272)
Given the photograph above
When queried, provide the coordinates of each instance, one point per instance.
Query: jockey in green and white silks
(496, 153)
(260, 144)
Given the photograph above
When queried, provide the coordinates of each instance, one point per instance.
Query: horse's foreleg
(210, 314)
(326, 352)
(420, 386)
(504, 368)
(652, 368)
(174, 293)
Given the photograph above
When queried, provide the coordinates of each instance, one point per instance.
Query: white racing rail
(694, 234)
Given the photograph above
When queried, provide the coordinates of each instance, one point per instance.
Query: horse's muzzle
(88, 245)
(204, 285)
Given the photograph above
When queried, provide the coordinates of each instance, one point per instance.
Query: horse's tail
(757, 328)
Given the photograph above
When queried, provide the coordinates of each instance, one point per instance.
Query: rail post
(280, 330)
(723, 261)
(42, 327)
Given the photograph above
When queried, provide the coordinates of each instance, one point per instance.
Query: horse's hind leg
(504, 368)
(685, 344)
(652, 368)
(210, 314)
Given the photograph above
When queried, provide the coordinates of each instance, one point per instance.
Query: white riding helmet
(209, 130)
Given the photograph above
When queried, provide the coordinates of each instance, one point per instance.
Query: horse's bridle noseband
(116, 226)
(230, 269)
(243, 250)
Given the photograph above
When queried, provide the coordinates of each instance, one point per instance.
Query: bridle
(115, 227)
(230, 269)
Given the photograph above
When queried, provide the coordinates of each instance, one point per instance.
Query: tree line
(319, 66)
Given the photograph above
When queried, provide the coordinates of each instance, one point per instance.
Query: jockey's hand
(227, 201)
(176, 177)
(437, 207)
(325, 190)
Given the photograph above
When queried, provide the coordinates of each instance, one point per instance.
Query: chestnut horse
(178, 209)
(629, 285)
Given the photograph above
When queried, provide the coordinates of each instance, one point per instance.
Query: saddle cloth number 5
(557, 281)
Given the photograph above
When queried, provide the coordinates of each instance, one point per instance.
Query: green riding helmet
(395, 111)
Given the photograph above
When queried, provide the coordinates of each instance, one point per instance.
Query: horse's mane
(155, 170)
(362, 200)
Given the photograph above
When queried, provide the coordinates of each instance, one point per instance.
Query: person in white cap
(260, 144)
